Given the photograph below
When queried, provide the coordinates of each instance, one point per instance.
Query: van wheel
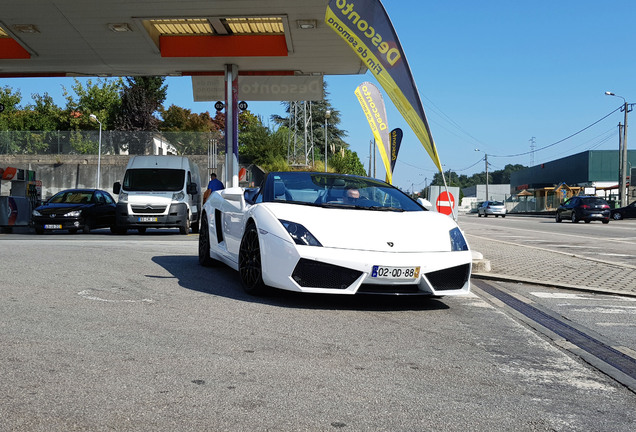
(185, 228)
(195, 226)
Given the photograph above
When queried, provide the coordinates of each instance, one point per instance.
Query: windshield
(72, 197)
(335, 190)
(154, 179)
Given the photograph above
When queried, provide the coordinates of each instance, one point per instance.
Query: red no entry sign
(445, 203)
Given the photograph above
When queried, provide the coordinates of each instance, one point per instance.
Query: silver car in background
(487, 208)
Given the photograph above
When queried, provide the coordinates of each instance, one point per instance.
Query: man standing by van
(213, 185)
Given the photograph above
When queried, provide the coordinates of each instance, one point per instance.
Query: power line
(560, 141)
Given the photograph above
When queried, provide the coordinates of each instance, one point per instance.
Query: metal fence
(112, 142)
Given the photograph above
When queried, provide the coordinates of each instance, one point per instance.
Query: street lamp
(486, 159)
(99, 149)
(327, 116)
(623, 151)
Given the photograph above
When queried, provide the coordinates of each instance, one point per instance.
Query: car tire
(606, 221)
(195, 226)
(587, 221)
(485, 214)
(204, 244)
(557, 217)
(574, 219)
(250, 267)
(503, 216)
(617, 216)
(478, 214)
(185, 227)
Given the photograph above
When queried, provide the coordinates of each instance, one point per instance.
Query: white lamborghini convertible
(333, 233)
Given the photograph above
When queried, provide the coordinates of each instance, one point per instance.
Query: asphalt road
(615, 241)
(103, 332)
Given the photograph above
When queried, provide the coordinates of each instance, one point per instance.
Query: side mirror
(116, 188)
(192, 189)
(250, 194)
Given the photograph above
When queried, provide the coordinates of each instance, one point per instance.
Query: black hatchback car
(76, 209)
(584, 208)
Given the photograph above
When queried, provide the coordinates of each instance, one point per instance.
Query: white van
(159, 192)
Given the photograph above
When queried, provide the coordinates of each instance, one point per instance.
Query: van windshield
(154, 179)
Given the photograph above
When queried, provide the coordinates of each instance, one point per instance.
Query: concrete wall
(58, 172)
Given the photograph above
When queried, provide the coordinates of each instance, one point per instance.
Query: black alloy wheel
(204, 244)
(557, 217)
(250, 262)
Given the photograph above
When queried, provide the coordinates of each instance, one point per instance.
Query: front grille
(315, 274)
(449, 279)
(148, 209)
(389, 289)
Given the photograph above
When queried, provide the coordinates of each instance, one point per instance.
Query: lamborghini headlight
(300, 234)
(458, 242)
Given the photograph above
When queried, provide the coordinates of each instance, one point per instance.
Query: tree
(346, 162)
(101, 99)
(335, 135)
(141, 98)
(261, 146)
(184, 129)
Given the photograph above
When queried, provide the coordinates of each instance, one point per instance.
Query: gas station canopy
(52, 38)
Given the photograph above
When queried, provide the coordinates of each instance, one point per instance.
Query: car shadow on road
(223, 281)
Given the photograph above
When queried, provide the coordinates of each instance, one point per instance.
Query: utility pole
(622, 185)
(624, 165)
(486, 159)
(620, 163)
(532, 146)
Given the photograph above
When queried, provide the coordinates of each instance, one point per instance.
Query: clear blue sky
(491, 75)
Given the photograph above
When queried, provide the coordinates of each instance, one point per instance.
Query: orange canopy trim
(10, 49)
(223, 46)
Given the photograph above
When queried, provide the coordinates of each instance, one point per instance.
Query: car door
(630, 210)
(568, 208)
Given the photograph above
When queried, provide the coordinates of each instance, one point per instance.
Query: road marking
(87, 295)
(560, 296)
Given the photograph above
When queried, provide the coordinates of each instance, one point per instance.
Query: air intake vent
(452, 278)
(314, 274)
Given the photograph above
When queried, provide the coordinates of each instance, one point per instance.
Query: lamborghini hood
(371, 230)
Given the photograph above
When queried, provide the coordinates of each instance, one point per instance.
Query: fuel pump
(20, 193)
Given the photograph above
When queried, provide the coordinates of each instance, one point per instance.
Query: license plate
(52, 226)
(147, 219)
(386, 272)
